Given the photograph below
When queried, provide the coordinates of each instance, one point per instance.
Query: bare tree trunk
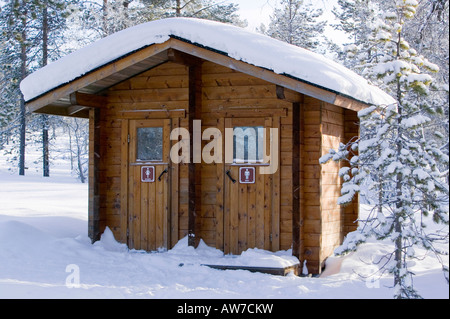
(23, 73)
(105, 18)
(398, 187)
(80, 164)
(178, 8)
(45, 121)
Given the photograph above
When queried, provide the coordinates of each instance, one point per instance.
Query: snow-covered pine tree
(296, 22)
(15, 20)
(355, 18)
(428, 31)
(410, 168)
(50, 23)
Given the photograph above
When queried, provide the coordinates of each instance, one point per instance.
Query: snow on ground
(45, 253)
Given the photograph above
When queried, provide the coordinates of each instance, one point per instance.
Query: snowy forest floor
(45, 253)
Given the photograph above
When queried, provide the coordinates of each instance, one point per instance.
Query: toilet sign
(247, 175)
(148, 174)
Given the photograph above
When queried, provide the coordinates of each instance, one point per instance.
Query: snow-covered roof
(238, 43)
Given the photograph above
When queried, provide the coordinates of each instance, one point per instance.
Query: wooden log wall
(310, 183)
(164, 87)
(324, 223)
(227, 93)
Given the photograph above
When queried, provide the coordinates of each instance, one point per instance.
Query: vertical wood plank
(166, 213)
(152, 208)
(159, 208)
(219, 207)
(242, 213)
(137, 207)
(251, 211)
(226, 217)
(175, 195)
(259, 222)
(144, 195)
(234, 213)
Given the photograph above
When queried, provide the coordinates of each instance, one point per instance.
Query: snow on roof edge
(237, 43)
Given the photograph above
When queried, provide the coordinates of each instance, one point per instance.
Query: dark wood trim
(188, 54)
(296, 179)
(195, 98)
(94, 178)
(152, 114)
(277, 271)
(182, 58)
(87, 100)
(241, 112)
(280, 92)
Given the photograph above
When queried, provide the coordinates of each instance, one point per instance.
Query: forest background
(34, 33)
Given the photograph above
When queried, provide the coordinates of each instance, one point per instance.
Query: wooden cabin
(134, 101)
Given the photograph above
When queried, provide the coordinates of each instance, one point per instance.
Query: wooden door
(249, 203)
(148, 184)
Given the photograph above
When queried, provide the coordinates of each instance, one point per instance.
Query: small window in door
(149, 144)
(248, 144)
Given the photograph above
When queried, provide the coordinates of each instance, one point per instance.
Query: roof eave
(60, 96)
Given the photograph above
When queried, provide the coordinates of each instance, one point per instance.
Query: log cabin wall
(324, 223)
(222, 93)
(332, 134)
(163, 87)
(225, 94)
(310, 183)
(338, 126)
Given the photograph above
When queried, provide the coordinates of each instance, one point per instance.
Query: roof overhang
(76, 97)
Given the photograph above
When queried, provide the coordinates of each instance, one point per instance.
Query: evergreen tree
(411, 168)
(15, 18)
(296, 23)
(355, 18)
(32, 35)
(428, 32)
(50, 24)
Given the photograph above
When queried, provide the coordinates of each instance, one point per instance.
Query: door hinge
(128, 139)
(270, 237)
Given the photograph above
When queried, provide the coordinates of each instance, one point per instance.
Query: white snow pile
(45, 253)
(238, 43)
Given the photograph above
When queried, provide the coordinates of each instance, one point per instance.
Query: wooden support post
(175, 195)
(195, 73)
(94, 160)
(296, 180)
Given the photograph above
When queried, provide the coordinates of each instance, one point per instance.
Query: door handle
(163, 172)
(230, 177)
